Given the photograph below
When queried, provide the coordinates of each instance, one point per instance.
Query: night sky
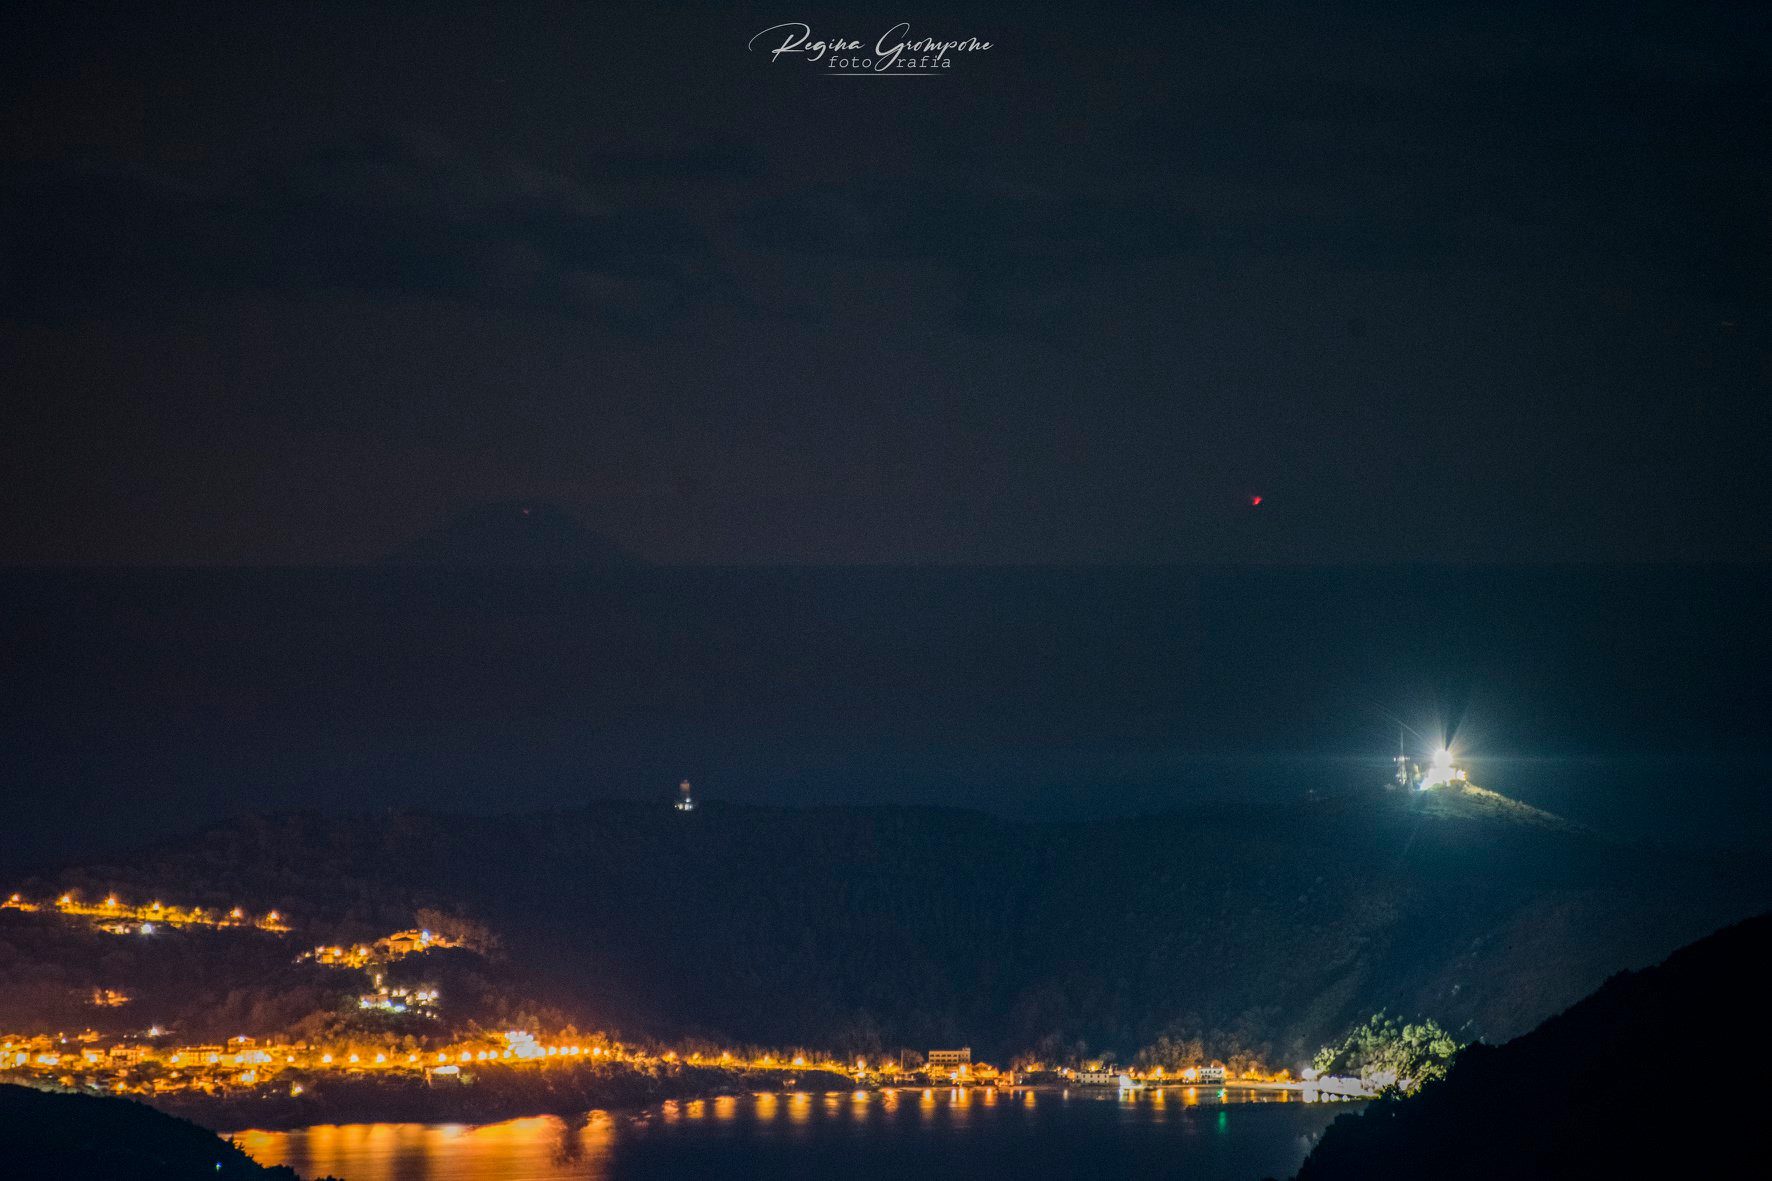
(1283, 374)
(296, 283)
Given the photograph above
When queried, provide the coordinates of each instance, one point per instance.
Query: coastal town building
(949, 1064)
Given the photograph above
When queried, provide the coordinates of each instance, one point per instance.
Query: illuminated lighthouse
(685, 802)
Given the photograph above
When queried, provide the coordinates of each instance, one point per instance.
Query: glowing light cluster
(119, 917)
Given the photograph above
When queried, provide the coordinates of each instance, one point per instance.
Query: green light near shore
(1224, 1121)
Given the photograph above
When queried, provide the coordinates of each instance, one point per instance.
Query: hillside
(1471, 802)
(1260, 931)
(61, 1135)
(511, 534)
(1584, 1094)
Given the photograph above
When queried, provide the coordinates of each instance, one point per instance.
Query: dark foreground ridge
(44, 1134)
(1597, 1091)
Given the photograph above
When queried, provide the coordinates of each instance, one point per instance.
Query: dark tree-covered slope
(1267, 930)
(97, 1138)
(1659, 1073)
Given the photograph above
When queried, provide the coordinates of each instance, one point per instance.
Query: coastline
(485, 1099)
(475, 1106)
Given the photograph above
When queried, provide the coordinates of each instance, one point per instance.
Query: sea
(1193, 1134)
(149, 703)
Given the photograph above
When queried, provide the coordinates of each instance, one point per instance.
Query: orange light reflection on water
(584, 1148)
(515, 1150)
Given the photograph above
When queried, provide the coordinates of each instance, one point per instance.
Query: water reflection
(574, 1132)
(1183, 1131)
(516, 1150)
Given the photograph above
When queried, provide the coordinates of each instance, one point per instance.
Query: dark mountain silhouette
(48, 1134)
(1265, 931)
(1658, 1074)
(512, 533)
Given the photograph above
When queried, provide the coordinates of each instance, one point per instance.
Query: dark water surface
(146, 703)
(1173, 1132)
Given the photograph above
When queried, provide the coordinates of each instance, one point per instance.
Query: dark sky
(291, 283)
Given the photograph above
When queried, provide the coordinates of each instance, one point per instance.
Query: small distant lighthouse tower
(685, 802)
(1403, 769)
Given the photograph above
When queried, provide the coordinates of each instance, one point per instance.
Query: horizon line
(79, 565)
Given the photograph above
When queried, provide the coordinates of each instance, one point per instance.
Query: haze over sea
(1033, 692)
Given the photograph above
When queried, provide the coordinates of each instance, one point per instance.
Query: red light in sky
(1254, 500)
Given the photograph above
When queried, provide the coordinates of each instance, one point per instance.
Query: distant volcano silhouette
(512, 533)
